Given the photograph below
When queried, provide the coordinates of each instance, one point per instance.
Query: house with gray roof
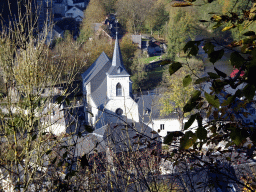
(149, 113)
(76, 13)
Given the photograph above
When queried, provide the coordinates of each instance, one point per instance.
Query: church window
(119, 111)
(161, 126)
(118, 89)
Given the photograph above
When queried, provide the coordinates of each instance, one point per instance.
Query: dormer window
(118, 90)
(119, 69)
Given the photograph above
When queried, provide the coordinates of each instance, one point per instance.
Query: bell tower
(118, 79)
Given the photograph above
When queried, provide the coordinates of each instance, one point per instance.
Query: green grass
(148, 59)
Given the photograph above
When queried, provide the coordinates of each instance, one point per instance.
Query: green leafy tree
(181, 29)
(139, 75)
(179, 89)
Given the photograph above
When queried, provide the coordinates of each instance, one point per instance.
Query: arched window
(118, 89)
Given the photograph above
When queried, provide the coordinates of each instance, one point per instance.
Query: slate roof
(85, 144)
(123, 137)
(57, 29)
(149, 103)
(99, 95)
(96, 67)
(118, 137)
(77, 7)
(117, 67)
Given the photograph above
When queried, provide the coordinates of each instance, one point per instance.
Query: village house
(76, 13)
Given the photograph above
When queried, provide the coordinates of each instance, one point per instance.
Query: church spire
(117, 57)
(117, 67)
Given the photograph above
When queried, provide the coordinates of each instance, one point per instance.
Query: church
(107, 91)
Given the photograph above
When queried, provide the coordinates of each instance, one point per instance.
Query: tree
(128, 50)
(109, 6)
(138, 70)
(96, 46)
(31, 77)
(70, 54)
(219, 104)
(86, 31)
(157, 18)
(178, 91)
(178, 36)
(133, 14)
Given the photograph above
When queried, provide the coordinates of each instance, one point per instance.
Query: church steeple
(117, 57)
(117, 67)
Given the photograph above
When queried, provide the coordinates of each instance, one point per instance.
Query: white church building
(108, 98)
(108, 91)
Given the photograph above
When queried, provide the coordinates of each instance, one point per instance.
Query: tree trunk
(181, 119)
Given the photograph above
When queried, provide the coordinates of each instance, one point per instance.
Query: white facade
(112, 83)
(169, 125)
(121, 100)
(128, 106)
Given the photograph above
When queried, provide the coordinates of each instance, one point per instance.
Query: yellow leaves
(228, 27)
(216, 18)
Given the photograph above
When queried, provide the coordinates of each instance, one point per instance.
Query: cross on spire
(116, 28)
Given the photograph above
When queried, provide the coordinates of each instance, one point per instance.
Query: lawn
(148, 59)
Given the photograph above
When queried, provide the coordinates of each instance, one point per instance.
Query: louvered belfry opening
(118, 90)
